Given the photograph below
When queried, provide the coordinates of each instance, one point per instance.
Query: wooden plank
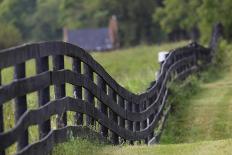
(76, 105)
(77, 90)
(144, 123)
(113, 116)
(20, 106)
(98, 69)
(57, 107)
(102, 107)
(58, 64)
(129, 123)
(25, 85)
(137, 124)
(122, 121)
(26, 52)
(42, 65)
(83, 81)
(23, 53)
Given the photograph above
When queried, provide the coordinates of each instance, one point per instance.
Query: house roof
(90, 39)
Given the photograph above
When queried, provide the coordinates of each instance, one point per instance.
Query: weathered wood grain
(42, 65)
(58, 64)
(24, 86)
(77, 90)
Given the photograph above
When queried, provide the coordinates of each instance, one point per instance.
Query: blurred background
(138, 21)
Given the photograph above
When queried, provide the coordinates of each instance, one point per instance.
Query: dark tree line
(140, 21)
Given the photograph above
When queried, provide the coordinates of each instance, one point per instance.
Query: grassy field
(87, 147)
(200, 120)
(207, 114)
(127, 66)
(195, 121)
(134, 68)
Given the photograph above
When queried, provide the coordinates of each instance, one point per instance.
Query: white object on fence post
(161, 58)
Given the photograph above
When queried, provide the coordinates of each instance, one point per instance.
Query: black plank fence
(97, 99)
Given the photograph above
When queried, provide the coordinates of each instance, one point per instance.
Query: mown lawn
(207, 114)
(87, 147)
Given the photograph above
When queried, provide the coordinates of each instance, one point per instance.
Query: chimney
(113, 31)
(65, 34)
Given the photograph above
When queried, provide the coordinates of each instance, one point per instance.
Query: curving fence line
(98, 100)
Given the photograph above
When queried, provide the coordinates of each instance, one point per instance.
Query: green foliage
(139, 21)
(212, 12)
(82, 13)
(17, 13)
(201, 14)
(36, 19)
(9, 36)
(177, 14)
(45, 21)
(180, 91)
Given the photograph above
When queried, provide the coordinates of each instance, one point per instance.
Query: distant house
(94, 39)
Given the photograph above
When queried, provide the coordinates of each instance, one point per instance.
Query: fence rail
(97, 99)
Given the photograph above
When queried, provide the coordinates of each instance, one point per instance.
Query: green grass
(88, 147)
(201, 148)
(134, 68)
(206, 113)
(127, 66)
(200, 120)
(204, 116)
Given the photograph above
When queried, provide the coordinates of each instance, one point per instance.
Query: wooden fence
(98, 99)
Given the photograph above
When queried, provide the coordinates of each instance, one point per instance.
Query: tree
(9, 35)
(212, 12)
(178, 15)
(82, 13)
(17, 13)
(44, 22)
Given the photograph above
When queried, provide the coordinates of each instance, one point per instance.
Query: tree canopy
(139, 21)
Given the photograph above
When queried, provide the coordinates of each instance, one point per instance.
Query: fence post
(137, 124)
(2, 152)
(102, 107)
(43, 95)
(129, 123)
(77, 90)
(113, 116)
(151, 117)
(143, 124)
(121, 103)
(20, 106)
(88, 73)
(216, 34)
(58, 64)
